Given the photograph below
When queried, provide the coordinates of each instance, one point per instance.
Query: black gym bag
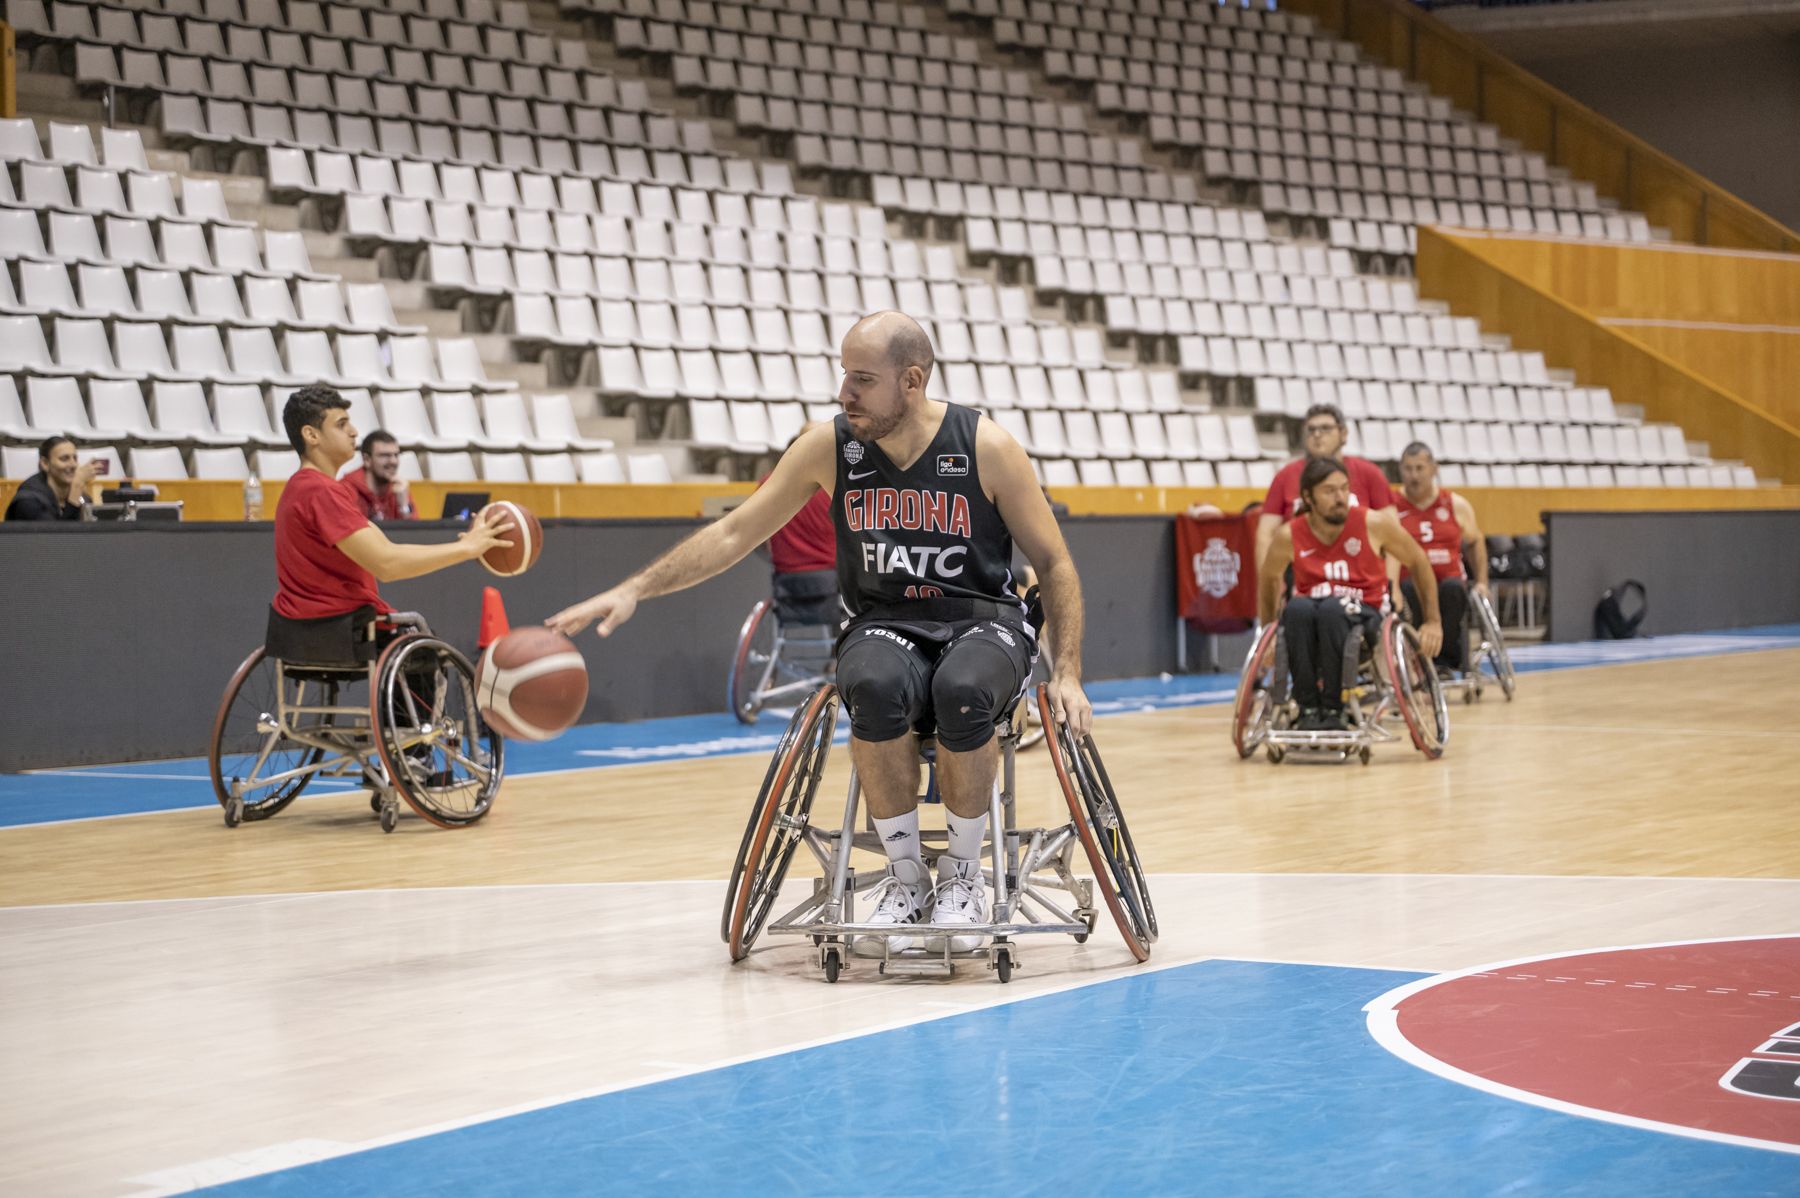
(1611, 623)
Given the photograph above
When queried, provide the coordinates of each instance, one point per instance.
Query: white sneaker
(960, 898)
(899, 898)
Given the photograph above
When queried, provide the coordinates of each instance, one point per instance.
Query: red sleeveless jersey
(1434, 526)
(1347, 566)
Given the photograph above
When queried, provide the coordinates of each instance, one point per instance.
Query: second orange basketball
(527, 537)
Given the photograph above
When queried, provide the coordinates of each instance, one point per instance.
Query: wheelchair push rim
(1417, 692)
(1496, 654)
(778, 821)
(1254, 711)
(1118, 874)
(445, 761)
(752, 664)
(265, 750)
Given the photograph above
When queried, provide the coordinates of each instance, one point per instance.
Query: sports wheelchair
(1030, 873)
(1484, 651)
(1391, 676)
(788, 644)
(378, 700)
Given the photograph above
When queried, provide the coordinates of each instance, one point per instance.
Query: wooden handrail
(1542, 118)
(9, 74)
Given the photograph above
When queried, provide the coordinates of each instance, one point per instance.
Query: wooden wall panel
(1759, 365)
(1458, 270)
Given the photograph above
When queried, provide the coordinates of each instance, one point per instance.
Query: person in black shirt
(927, 500)
(58, 491)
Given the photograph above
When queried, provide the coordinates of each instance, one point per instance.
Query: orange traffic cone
(493, 618)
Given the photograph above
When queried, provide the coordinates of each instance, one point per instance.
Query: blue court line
(91, 792)
(1217, 1077)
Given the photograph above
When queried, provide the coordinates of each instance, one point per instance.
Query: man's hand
(1481, 588)
(612, 608)
(1069, 705)
(1431, 638)
(488, 531)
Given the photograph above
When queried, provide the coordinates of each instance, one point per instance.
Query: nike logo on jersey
(1304, 552)
(864, 474)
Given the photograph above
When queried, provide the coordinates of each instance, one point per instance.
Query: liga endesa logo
(1698, 1039)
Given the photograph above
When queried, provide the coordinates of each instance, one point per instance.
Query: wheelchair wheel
(1028, 726)
(778, 821)
(1118, 874)
(1489, 625)
(753, 662)
(1417, 692)
(246, 742)
(441, 755)
(1256, 694)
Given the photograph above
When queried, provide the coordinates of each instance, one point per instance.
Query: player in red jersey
(804, 555)
(1324, 433)
(1442, 522)
(1340, 582)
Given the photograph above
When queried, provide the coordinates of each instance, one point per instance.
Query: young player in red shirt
(1442, 522)
(328, 557)
(1340, 583)
(1324, 433)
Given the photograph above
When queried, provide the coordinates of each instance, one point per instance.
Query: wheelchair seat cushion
(344, 641)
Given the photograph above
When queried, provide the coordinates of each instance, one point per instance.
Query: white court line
(1384, 1026)
(258, 896)
(675, 1072)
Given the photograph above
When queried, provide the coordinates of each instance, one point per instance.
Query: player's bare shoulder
(813, 455)
(1003, 462)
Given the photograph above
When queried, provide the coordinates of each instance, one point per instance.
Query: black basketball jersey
(920, 534)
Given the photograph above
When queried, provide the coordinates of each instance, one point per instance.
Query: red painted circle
(1658, 1034)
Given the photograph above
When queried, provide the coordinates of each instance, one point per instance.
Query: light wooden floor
(182, 1004)
(1660, 769)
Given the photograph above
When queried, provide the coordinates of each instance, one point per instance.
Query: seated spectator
(59, 490)
(377, 481)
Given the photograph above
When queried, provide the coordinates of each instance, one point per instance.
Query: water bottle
(253, 498)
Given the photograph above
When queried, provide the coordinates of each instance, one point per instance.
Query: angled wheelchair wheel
(1417, 692)
(440, 754)
(1257, 694)
(247, 743)
(778, 821)
(1488, 623)
(753, 662)
(1118, 874)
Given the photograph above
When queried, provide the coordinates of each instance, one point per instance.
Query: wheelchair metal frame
(1484, 646)
(349, 749)
(757, 680)
(1029, 871)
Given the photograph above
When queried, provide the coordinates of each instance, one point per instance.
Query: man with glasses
(1324, 432)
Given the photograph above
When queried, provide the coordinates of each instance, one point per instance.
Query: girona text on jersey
(879, 509)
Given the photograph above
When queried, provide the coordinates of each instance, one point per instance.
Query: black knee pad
(882, 676)
(974, 681)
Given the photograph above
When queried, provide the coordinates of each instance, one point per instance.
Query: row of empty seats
(114, 411)
(119, 348)
(168, 464)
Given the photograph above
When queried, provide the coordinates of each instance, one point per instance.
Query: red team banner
(1215, 575)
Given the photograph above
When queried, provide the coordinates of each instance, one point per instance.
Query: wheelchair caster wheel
(1081, 937)
(1276, 753)
(832, 962)
(1363, 754)
(1003, 964)
(1470, 694)
(375, 804)
(234, 811)
(390, 816)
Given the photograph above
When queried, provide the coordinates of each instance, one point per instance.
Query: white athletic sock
(900, 840)
(965, 834)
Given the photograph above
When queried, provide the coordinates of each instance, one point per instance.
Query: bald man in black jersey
(927, 500)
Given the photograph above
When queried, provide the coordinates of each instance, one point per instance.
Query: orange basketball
(531, 684)
(527, 537)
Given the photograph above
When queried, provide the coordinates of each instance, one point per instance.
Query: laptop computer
(462, 505)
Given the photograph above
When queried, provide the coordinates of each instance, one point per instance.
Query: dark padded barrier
(1702, 570)
(119, 639)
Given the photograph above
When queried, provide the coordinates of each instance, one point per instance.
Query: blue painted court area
(91, 792)
(1216, 1077)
